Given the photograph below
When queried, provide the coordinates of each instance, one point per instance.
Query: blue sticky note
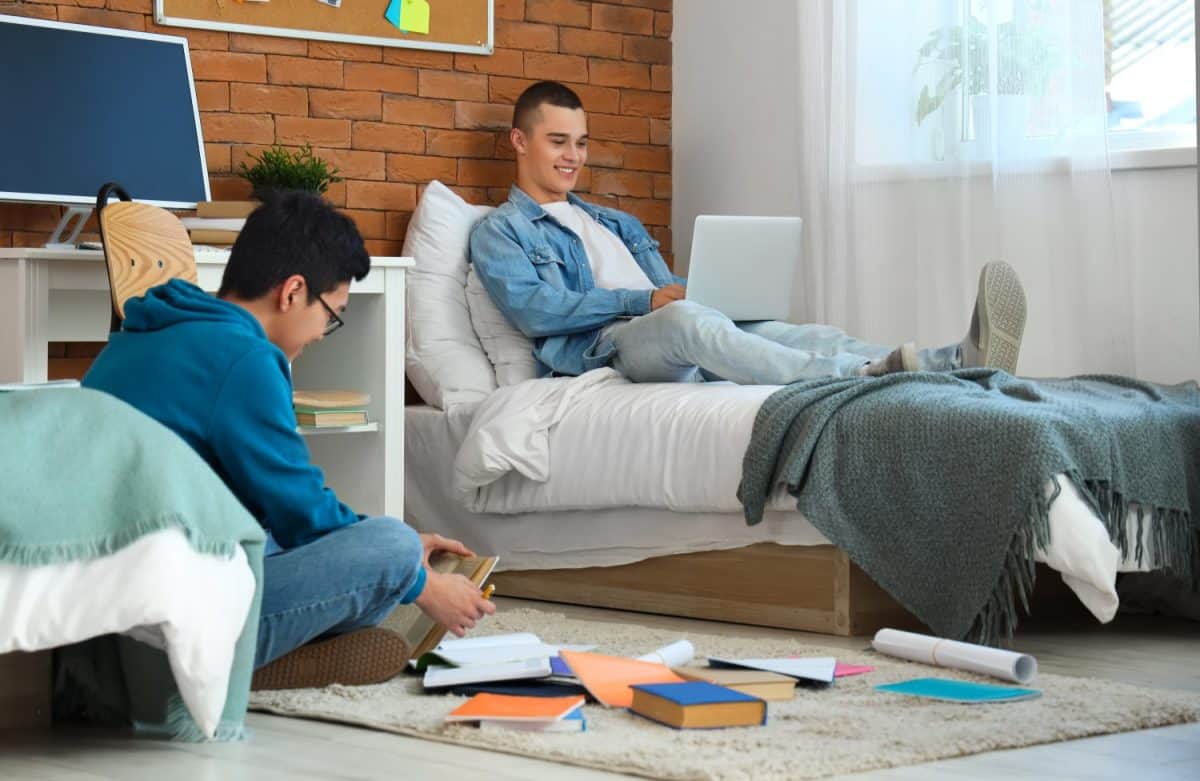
(959, 691)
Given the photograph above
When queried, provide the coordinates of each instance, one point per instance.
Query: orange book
(510, 707)
(608, 678)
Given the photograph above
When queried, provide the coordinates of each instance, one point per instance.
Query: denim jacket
(538, 274)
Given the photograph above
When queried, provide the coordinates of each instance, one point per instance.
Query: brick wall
(392, 119)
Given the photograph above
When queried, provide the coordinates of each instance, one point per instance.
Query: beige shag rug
(846, 728)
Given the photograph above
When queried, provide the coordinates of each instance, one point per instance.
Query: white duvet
(597, 442)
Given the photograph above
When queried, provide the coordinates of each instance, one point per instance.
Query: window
(1149, 70)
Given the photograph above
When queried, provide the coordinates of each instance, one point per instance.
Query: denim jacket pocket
(549, 264)
(648, 243)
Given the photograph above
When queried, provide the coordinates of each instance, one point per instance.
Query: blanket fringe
(74, 550)
(1175, 547)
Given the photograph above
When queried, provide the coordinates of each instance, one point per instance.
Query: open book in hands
(420, 632)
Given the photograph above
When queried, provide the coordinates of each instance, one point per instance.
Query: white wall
(735, 151)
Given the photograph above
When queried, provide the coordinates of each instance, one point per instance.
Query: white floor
(1146, 651)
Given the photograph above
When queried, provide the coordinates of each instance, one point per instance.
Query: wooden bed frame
(810, 588)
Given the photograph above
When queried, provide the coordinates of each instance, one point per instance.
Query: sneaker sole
(1001, 316)
(358, 658)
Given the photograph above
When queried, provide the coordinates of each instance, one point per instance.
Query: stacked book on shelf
(330, 408)
(217, 223)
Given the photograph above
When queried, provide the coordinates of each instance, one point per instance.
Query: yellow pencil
(487, 592)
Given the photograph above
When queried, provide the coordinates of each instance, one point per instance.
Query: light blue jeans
(687, 342)
(349, 579)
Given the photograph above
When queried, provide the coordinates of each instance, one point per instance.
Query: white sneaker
(998, 322)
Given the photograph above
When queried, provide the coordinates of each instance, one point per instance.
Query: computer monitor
(89, 105)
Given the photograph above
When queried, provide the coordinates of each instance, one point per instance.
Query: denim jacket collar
(533, 211)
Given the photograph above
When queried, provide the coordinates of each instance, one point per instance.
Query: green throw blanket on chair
(934, 483)
(85, 475)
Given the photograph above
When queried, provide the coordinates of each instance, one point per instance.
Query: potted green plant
(279, 168)
(1025, 61)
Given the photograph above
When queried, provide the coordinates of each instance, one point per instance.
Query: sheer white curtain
(937, 135)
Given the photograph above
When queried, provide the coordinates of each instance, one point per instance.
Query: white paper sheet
(1006, 665)
(817, 668)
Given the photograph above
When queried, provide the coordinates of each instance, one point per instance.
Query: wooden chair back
(144, 246)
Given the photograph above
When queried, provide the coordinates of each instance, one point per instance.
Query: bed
(539, 472)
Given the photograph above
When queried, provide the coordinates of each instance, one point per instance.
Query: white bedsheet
(595, 470)
(156, 589)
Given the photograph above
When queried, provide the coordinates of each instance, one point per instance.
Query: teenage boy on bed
(588, 285)
(216, 370)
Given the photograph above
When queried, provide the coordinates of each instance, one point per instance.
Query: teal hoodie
(204, 368)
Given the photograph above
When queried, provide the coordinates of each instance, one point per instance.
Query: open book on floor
(420, 632)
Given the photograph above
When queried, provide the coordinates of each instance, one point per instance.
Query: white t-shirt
(613, 267)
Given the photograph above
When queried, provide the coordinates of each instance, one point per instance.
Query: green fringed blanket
(933, 483)
(82, 475)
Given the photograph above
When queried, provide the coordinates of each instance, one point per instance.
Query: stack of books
(330, 408)
(531, 714)
(217, 223)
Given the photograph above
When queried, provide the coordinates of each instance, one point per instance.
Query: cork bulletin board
(445, 25)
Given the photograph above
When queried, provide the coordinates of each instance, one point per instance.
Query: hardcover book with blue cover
(697, 704)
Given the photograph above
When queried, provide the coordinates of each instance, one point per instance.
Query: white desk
(62, 296)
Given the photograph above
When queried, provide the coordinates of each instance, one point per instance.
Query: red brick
(345, 104)
(510, 9)
(662, 234)
(371, 224)
(482, 116)
(132, 6)
(634, 130)
(505, 90)
(418, 58)
(660, 77)
(237, 128)
(606, 154)
(229, 188)
(650, 212)
(460, 143)
(298, 131)
(637, 21)
(592, 43)
(388, 138)
(229, 66)
(28, 216)
(646, 104)
(657, 5)
(355, 164)
(648, 158)
(475, 195)
(397, 224)
(421, 169)
(605, 100)
(212, 95)
(611, 201)
(504, 147)
(486, 173)
(558, 67)
(523, 35)
(664, 24)
(91, 4)
(267, 44)
(572, 13)
(209, 40)
(642, 49)
(392, 196)
(216, 158)
(101, 18)
(257, 98)
(505, 62)
(30, 11)
(660, 131)
(455, 86)
(282, 69)
(608, 182)
(336, 194)
(382, 248)
(329, 50)
(418, 111)
(381, 78)
(662, 186)
(584, 182)
(613, 73)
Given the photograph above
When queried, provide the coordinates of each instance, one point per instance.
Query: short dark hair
(538, 94)
(294, 232)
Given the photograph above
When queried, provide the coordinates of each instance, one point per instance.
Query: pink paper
(851, 669)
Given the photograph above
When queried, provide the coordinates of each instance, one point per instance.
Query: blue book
(697, 704)
(959, 691)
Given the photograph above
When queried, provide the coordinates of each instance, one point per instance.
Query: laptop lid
(744, 266)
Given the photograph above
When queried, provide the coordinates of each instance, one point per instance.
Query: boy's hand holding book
(453, 601)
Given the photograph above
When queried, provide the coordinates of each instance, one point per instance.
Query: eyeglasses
(334, 322)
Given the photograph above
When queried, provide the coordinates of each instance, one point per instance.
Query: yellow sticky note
(414, 16)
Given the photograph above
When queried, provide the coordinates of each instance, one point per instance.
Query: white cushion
(509, 350)
(443, 356)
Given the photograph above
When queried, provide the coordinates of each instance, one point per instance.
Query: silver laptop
(743, 266)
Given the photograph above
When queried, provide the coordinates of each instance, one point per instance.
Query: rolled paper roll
(676, 654)
(1006, 665)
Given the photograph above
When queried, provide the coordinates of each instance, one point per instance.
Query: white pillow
(445, 361)
(509, 350)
